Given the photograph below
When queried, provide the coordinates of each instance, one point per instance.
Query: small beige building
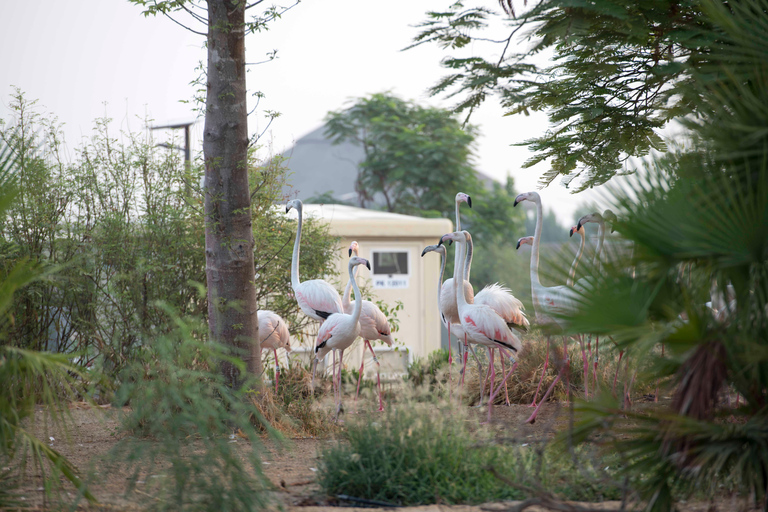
(393, 243)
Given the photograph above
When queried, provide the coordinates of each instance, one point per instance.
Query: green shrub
(415, 455)
(187, 428)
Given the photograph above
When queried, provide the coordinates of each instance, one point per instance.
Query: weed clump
(416, 455)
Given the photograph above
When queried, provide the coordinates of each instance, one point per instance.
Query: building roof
(349, 221)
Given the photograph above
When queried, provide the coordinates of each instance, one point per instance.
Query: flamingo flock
(494, 318)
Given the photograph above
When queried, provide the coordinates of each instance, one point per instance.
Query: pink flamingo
(373, 326)
(482, 324)
(316, 298)
(550, 303)
(447, 299)
(340, 330)
(273, 334)
(507, 306)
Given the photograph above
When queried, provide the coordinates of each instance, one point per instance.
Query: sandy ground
(292, 469)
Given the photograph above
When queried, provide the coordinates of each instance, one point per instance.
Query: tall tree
(416, 158)
(229, 245)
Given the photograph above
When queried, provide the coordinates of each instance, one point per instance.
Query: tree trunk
(229, 244)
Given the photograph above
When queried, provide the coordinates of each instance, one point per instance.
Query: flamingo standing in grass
(273, 334)
(340, 330)
(447, 299)
(482, 324)
(316, 298)
(500, 299)
(550, 303)
(373, 326)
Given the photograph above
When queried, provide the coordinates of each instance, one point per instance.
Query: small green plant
(430, 371)
(416, 455)
(189, 435)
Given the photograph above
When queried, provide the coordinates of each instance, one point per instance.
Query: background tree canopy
(611, 84)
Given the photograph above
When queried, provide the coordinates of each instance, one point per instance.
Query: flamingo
(550, 303)
(373, 326)
(482, 324)
(273, 334)
(500, 299)
(575, 264)
(496, 296)
(340, 330)
(316, 298)
(447, 298)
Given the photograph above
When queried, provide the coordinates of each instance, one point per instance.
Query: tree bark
(232, 302)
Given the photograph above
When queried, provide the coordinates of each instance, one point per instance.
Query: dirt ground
(94, 432)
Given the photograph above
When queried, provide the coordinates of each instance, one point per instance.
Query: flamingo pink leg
(503, 372)
(504, 381)
(589, 357)
(335, 398)
(378, 375)
(543, 374)
(532, 418)
(341, 358)
(586, 368)
(277, 370)
(450, 360)
(618, 366)
(362, 368)
(567, 371)
(597, 358)
(464, 368)
(487, 374)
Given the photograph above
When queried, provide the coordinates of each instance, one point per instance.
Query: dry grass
(295, 410)
(524, 381)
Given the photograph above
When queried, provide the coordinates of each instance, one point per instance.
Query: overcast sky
(84, 59)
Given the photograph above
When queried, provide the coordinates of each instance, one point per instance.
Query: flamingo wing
(318, 299)
(373, 324)
(485, 325)
(507, 306)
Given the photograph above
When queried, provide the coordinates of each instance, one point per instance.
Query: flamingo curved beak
(518, 245)
(350, 252)
(287, 208)
(571, 232)
(368, 264)
(469, 201)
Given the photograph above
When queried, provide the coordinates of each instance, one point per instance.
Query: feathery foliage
(698, 227)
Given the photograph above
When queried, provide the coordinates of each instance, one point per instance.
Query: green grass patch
(417, 455)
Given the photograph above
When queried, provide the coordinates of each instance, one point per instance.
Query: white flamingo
(500, 299)
(273, 334)
(550, 303)
(316, 298)
(447, 299)
(340, 330)
(482, 324)
(373, 326)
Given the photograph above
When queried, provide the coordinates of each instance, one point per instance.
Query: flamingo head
(456, 236)
(609, 216)
(357, 260)
(434, 248)
(461, 196)
(526, 240)
(577, 229)
(294, 203)
(353, 248)
(527, 196)
(590, 217)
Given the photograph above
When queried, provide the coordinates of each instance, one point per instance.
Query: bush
(416, 455)
(187, 425)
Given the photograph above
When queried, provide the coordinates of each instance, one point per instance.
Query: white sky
(77, 55)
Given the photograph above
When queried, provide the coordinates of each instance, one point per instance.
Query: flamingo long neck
(572, 272)
(599, 248)
(535, 281)
(443, 257)
(468, 258)
(295, 260)
(459, 256)
(461, 301)
(346, 298)
(358, 297)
